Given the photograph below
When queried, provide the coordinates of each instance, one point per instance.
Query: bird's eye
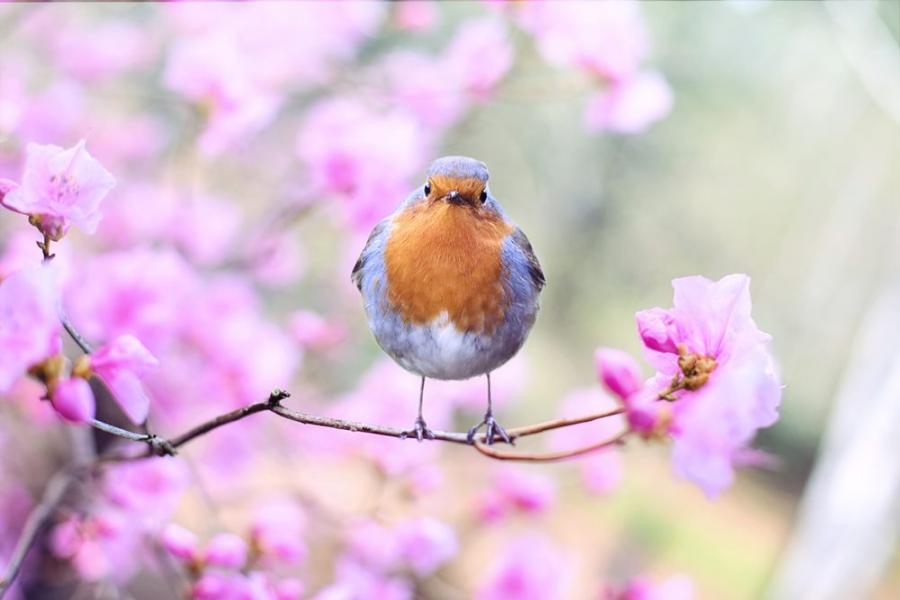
(483, 196)
(427, 188)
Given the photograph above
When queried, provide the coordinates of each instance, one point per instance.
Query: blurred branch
(35, 523)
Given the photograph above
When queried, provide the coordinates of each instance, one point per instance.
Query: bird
(450, 285)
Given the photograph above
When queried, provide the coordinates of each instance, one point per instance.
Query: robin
(450, 285)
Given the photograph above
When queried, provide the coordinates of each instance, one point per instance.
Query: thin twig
(559, 423)
(550, 456)
(35, 523)
(157, 446)
(73, 333)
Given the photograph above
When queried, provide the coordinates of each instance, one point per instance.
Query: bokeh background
(255, 146)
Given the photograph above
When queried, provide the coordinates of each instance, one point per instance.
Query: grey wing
(366, 254)
(520, 240)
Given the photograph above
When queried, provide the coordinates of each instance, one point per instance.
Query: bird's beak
(453, 197)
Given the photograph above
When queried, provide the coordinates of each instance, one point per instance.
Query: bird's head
(460, 181)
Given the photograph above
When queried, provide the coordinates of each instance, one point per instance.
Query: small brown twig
(550, 456)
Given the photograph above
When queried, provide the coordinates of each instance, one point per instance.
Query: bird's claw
(420, 430)
(491, 429)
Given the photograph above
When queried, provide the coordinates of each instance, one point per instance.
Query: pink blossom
(529, 568)
(98, 546)
(364, 157)
(19, 253)
(56, 112)
(212, 71)
(289, 589)
(206, 228)
(149, 490)
(313, 331)
(59, 187)
(478, 56)
(121, 364)
(29, 322)
(437, 102)
(657, 329)
(373, 545)
(226, 550)
(731, 386)
(279, 261)
(73, 400)
(180, 542)
(605, 38)
(618, 371)
(140, 292)
(355, 581)
(217, 585)
(277, 531)
(678, 587)
(416, 15)
(630, 105)
(426, 544)
(516, 489)
(104, 50)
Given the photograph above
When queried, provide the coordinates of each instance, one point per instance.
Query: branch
(273, 405)
(550, 456)
(35, 523)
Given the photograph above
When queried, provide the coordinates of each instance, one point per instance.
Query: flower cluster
(715, 383)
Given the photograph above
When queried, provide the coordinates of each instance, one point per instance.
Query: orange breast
(442, 257)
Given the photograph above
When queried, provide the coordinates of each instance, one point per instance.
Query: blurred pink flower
(313, 331)
(605, 38)
(218, 585)
(630, 105)
(478, 56)
(601, 471)
(678, 587)
(277, 531)
(618, 371)
(212, 71)
(121, 364)
(73, 399)
(356, 582)
(529, 568)
(61, 186)
(437, 102)
(416, 15)
(515, 489)
(57, 112)
(296, 44)
(226, 550)
(147, 490)
(426, 544)
(141, 292)
(99, 546)
(364, 157)
(93, 51)
(279, 261)
(29, 322)
(19, 253)
(206, 228)
(372, 545)
(180, 543)
(719, 412)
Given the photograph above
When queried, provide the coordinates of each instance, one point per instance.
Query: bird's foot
(420, 430)
(491, 429)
